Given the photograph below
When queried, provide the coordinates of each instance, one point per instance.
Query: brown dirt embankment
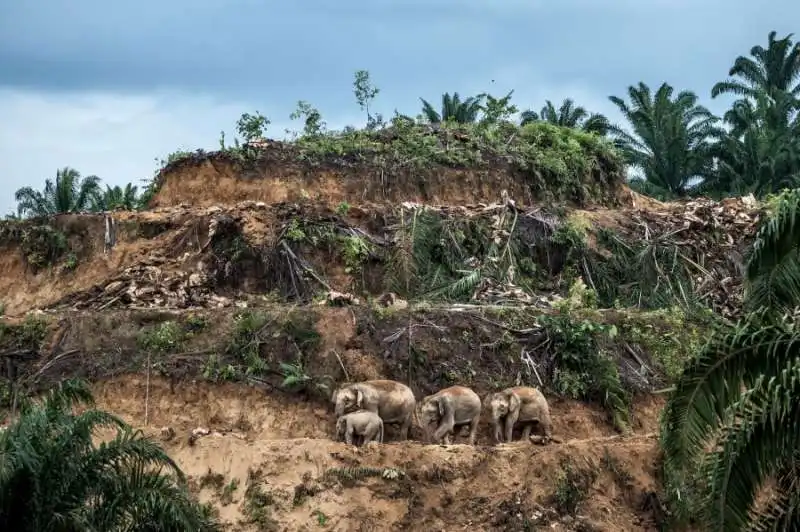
(258, 434)
(183, 257)
(217, 180)
(447, 165)
(305, 479)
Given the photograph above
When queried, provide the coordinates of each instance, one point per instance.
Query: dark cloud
(265, 49)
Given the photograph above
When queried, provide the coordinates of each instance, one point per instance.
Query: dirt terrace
(184, 257)
(377, 170)
(312, 481)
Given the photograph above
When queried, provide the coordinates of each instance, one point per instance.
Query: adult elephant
(519, 405)
(393, 401)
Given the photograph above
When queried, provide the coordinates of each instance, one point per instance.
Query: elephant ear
(445, 406)
(513, 402)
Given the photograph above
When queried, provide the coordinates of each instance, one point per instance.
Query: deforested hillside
(221, 319)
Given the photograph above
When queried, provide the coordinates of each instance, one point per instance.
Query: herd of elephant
(363, 408)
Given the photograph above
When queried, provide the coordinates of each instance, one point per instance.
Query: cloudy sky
(108, 90)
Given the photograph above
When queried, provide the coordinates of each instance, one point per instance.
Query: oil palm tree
(69, 193)
(761, 153)
(54, 478)
(771, 70)
(670, 138)
(453, 109)
(740, 398)
(568, 115)
(116, 198)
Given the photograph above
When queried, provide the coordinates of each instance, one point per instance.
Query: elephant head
(346, 398)
(431, 411)
(501, 404)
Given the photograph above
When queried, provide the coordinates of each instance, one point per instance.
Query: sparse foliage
(365, 93)
(252, 127)
(312, 119)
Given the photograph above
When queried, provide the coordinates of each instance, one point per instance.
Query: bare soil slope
(263, 454)
(272, 460)
(431, 165)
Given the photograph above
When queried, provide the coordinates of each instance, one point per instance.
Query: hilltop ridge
(452, 164)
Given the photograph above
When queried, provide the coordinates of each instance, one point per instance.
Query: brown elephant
(363, 423)
(447, 409)
(519, 404)
(393, 401)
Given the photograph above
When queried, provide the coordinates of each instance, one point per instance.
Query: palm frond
(773, 269)
(760, 442)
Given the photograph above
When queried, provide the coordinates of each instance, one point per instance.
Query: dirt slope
(305, 476)
(149, 312)
(431, 165)
(182, 257)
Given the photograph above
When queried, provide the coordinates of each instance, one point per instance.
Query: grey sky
(108, 89)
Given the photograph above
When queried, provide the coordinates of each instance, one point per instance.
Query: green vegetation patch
(555, 163)
(41, 244)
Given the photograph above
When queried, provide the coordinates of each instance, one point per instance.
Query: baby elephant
(441, 412)
(360, 423)
(393, 401)
(519, 404)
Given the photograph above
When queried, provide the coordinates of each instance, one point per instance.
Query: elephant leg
(447, 440)
(526, 430)
(511, 419)
(444, 431)
(404, 428)
(473, 429)
(547, 430)
(498, 432)
(367, 438)
(348, 436)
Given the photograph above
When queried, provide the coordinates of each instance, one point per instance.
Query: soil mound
(442, 165)
(266, 276)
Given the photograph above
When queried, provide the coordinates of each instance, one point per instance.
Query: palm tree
(740, 398)
(772, 70)
(69, 193)
(116, 198)
(54, 478)
(671, 137)
(761, 153)
(453, 109)
(568, 115)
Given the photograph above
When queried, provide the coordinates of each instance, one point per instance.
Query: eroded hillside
(221, 326)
